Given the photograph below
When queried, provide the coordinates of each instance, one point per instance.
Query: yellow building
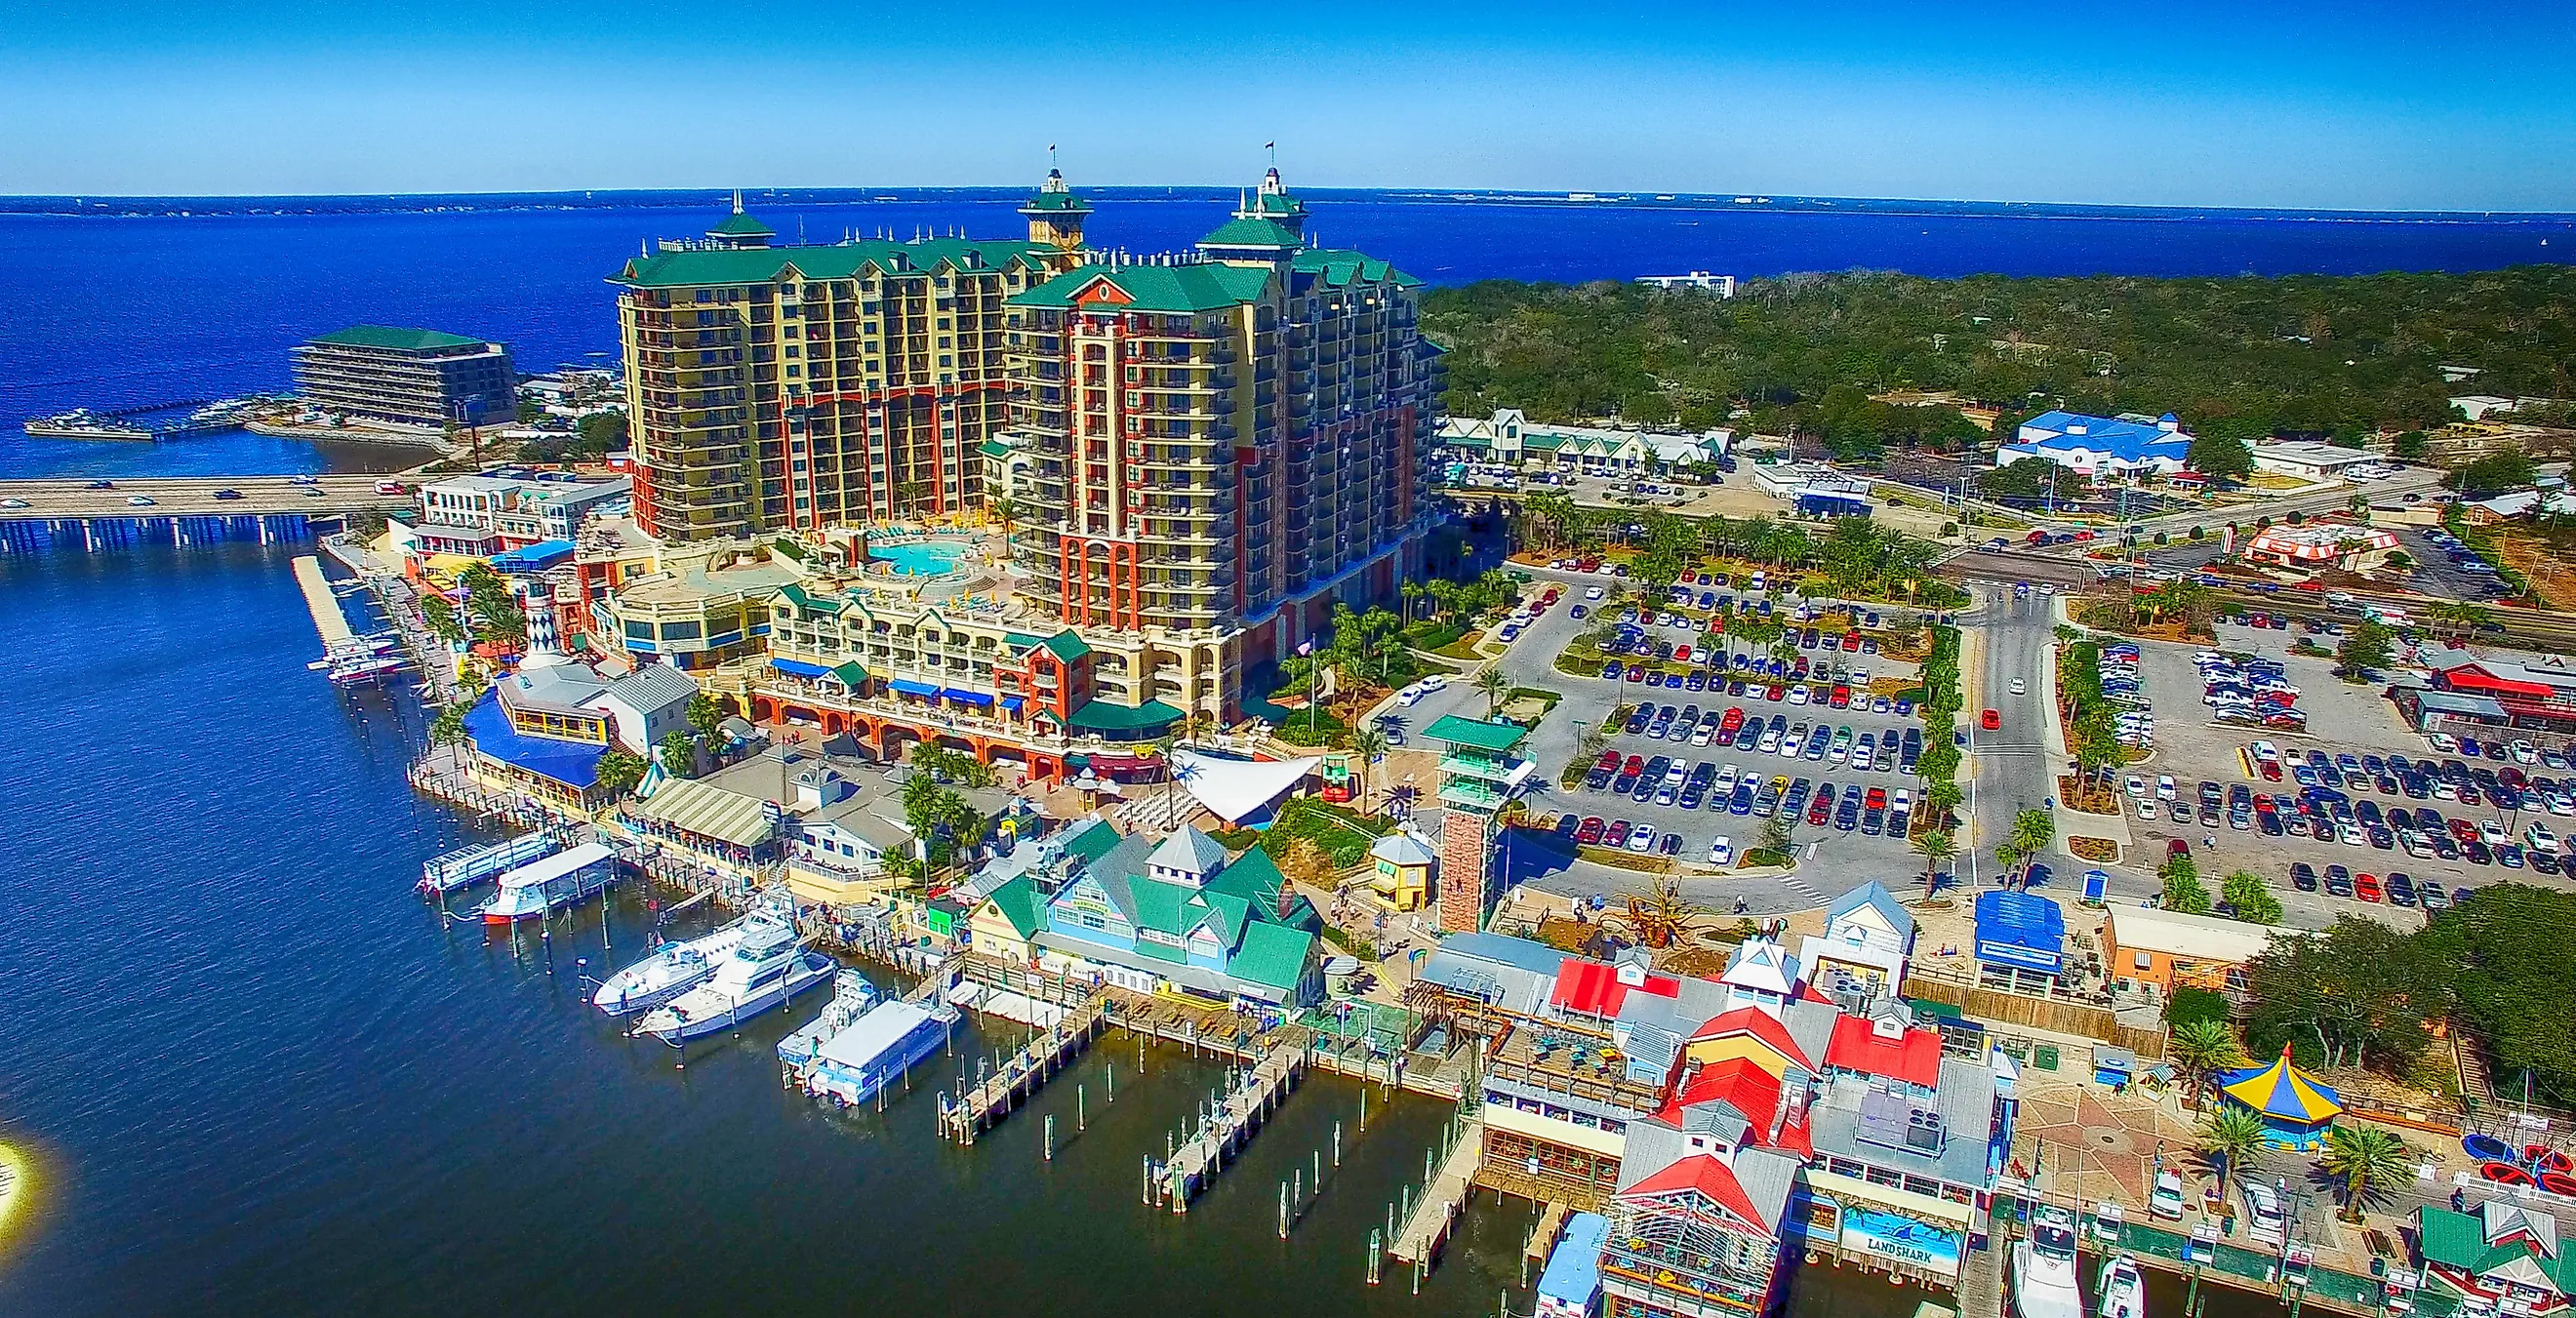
(1402, 867)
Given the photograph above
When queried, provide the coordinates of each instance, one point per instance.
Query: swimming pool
(919, 558)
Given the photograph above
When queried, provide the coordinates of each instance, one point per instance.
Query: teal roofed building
(739, 230)
(1179, 916)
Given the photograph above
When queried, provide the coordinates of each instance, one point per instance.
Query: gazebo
(2296, 1110)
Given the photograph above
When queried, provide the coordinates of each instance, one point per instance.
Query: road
(38, 500)
(2014, 769)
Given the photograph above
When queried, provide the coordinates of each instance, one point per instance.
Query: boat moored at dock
(852, 997)
(856, 1064)
(542, 885)
(467, 866)
(2043, 1268)
(2121, 1289)
(769, 967)
(673, 969)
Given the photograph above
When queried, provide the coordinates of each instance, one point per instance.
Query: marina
(145, 423)
(549, 884)
(464, 867)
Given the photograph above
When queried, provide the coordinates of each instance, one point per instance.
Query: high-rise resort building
(1194, 457)
(776, 387)
(421, 377)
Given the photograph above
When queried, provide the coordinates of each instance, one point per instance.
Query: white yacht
(2121, 1290)
(767, 968)
(2043, 1268)
(852, 997)
(672, 970)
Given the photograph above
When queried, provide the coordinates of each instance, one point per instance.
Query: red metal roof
(1709, 1176)
(1761, 1025)
(1914, 1057)
(1593, 988)
(2470, 677)
(1737, 1082)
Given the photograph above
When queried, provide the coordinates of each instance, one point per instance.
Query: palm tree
(1003, 508)
(2368, 1160)
(1943, 797)
(1412, 593)
(2231, 1137)
(1495, 686)
(2201, 1049)
(1934, 847)
(1368, 743)
(2032, 831)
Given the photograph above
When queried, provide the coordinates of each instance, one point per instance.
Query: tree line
(2246, 358)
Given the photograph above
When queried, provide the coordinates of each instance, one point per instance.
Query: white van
(2264, 1222)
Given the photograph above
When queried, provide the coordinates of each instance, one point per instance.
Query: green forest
(2337, 356)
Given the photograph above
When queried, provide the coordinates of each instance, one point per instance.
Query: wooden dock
(328, 618)
(1232, 1125)
(1021, 1075)
(1436, 1213)
(1981, 1283)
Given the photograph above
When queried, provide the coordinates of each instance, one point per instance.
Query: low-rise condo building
(417, 376)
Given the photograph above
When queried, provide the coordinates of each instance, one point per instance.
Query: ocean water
(124, 304)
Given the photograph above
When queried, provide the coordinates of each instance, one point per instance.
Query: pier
(1237, 1117)
(1444, 1198)
(328, 618)
(1021, 1075)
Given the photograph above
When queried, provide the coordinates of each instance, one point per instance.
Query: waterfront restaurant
(1179, 917)
(2505, 1257)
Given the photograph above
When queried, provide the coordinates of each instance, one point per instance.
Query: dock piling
(1376, 1254)
(1047, 1153)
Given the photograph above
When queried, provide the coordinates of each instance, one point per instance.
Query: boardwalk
(1981, 1289)
(327, 615)
(1231, 1125)
(1020, 1076)
(1436, 1212)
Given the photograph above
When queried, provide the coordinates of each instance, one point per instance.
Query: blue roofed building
(2021, 941)
(2122, 448)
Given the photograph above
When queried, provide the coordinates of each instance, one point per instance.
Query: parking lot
(2343, 719)
(2436, 575)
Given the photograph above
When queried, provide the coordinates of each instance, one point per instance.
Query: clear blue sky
(2298, 103)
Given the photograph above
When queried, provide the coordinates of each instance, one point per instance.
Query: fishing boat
(2043, 1267)
(672, 970)
(852, 997)
(856, 1064)
(540, 886)
(2121, 1289)
(769, 966)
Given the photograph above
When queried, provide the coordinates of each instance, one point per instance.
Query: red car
(2176, 849)
(1992, 721)
(1822, 810)
(1773, 692)
(2366, 887)
(1842, 697)
(1734, 720)
(1851, 642)
(1589, 831)
(1618, 834)
(1876, 800)
(1609, 760)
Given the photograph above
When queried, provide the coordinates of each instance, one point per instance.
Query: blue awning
(1011, 702)
(798, 666)
(967, 697)
(533, 558)
(912, 688)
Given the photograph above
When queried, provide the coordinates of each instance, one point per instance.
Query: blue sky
(2293, 103)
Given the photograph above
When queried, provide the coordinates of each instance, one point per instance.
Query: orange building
(2160, 950)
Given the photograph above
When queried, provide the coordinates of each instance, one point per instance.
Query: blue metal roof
(575, 764)
(1573, 1272)
(543, 554)
(2018, 929)
(2128, 441)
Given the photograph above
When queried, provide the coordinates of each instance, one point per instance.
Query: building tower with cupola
(1055, 221)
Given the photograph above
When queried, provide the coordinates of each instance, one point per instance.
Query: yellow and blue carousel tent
(2294, 1107)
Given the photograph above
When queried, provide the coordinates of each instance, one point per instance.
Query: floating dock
(328, 618)
(467, 866)
(1436, 1213)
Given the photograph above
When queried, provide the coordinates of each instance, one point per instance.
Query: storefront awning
(1012, 703)
(1109, 716)
(798, 667)
(966, 697)
(912, 688)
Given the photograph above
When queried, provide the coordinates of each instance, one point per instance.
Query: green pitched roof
(805, 599)
(1017, 901)
(389, 336)
(1059, 202)
(1155, 287)
(1089, 840)
(2459, 1240)
(1277, 203)
(1476, 733)
(1253, 233)
(1337, 268)
(1109, 716)
(752, 265)
(850, 673)
(1067, 646)
(1272, 954)
(739, 225)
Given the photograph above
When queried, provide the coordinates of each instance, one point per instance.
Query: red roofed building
(1591, 988)
(1885, 1048)
(2532, 697)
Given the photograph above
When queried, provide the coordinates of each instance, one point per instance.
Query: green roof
(1109, 716)
(1476, 733)
(1277, 203)
(850, 673)
(1272, 954)
(994, 448)
(753, 265)
(1017, 901)
(1253, 233)
(1062, 202)
(2459, 1240)
(1339, 267)
(1089, 840)
(805, 599)
(388, 336)
(1155, 287)
(1067, 646)
(739, 225)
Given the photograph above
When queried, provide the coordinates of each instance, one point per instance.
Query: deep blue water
(148, 305)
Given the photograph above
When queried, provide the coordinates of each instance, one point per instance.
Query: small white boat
(672, 970)
(2121, 1290)
(540, 886)
(770, 966)
(2043, 1268)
